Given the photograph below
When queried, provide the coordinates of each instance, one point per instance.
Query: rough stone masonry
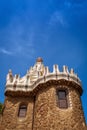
(43, 100)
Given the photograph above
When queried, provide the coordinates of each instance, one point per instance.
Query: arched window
(62, 98)
(22, 110)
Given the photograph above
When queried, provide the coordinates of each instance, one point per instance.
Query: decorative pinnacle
(39, 59)
(65, 69)
(55, 69)
(10, 71)
(71, 71)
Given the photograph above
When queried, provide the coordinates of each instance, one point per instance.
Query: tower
(43, 100)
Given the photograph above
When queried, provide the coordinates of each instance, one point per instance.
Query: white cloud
(20, 39)
(6, 52)
(57, 18)
(19, 50)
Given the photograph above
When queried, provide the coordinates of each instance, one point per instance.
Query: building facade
(43, 100)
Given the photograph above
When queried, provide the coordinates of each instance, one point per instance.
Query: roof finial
(39, 59)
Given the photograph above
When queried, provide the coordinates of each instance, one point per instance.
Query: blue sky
(53, 29)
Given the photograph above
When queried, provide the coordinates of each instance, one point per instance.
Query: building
(43, 100)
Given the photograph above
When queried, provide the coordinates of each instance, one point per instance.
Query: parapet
(40, 74)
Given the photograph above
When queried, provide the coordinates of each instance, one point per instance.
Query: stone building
(43, 100)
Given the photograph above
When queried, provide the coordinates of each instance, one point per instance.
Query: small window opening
(22, 111)
(62, 99)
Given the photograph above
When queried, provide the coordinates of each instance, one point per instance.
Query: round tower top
(39, 59)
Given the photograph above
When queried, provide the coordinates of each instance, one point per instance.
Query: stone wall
(85, 128)
(11, 121)
(0, 118)
(1, 126)
(48, 116)
(43, 113)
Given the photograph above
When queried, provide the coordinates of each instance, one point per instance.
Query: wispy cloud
(24, 50)
(79, 3)
(19, 50)
(19, 39)
(6, 52)
(57, 18)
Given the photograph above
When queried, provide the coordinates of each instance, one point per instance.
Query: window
(22, 111)
(62, 98)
